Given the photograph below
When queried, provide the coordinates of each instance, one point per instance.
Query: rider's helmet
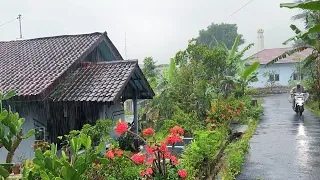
(299, 86)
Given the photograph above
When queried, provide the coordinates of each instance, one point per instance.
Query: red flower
(139, 159)
(150, 161)
(174, 160)
(207, 120)
(121, 128)
(239, 111)
(209, 128)
(213, 121)
(142, 173)
(177, 130)
(149, 171)
(182, 173)
(230, 111)
(110, 154)
(149, 149)
(118, 152)
(172, 139)
(223, 116)
(163, 147)
(149, 132)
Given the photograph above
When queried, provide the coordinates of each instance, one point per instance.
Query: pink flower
(149, 132)
(163, 147)
(149, 149)
(177, 130)
(149, 171)
(172, 139)
(121, 127)
(174, 160)
(182, 173)
(150, 160)
(142, 173)
(110, 154)
(138, 159)
(118, 152)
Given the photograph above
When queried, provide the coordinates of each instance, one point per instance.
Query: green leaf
(2, 131)
(44, 175)
(80, 164)
(285, 54)
(39, 154)
(9, 95)
(234, 48)
(309, 59)
(86, 141)
(64, 156)
(3, 115)
(3, 172)
(312, 5)
(251, 69)
(100, 147)
(29, 134)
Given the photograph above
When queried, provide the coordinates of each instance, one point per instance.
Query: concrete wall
(285, 71)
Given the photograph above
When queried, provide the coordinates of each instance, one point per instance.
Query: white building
(282, 71)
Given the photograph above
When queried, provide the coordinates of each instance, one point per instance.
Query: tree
(150, 71)
(223, 33)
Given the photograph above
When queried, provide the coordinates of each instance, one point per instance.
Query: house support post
(135, 114)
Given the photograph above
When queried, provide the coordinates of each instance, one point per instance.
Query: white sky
(157, 28)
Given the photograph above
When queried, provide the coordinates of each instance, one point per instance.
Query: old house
(64, 82)
(280, 73)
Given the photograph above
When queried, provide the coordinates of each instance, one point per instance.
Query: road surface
(284, 146)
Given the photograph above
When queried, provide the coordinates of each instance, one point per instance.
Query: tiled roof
(31, 66)
(102, 81)
(267, 55)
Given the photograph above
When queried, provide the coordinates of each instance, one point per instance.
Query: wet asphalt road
(284, 146)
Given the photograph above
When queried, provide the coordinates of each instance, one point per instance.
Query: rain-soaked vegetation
(183, 129)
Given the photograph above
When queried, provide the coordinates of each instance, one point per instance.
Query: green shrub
(202, 150)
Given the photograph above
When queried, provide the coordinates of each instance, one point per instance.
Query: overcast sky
(157, 28)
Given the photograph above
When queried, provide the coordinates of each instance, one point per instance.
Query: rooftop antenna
(125, 44)
(19, 17)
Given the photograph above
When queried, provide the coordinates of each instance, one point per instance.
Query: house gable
(34, 67)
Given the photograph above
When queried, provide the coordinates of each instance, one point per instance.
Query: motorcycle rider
(296, 89)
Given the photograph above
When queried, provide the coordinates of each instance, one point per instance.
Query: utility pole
(19, 17)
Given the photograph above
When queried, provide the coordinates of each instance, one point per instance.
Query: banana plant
(242, 79)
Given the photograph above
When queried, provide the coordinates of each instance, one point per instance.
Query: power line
(9, 21)
(238, 10)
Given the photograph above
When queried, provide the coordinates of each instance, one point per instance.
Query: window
(277, 78)
(274, 77)
(295, 76)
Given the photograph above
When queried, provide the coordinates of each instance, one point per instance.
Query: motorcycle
(298, 106)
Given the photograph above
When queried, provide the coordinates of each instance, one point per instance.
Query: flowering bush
(157, 161)
(222, 112)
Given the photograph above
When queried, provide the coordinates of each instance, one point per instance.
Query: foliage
(150, 71)
(236, 152)
(12, 122)
(99, 132)
(215, 33)
(222, 112)
(309, 38)
(201, 151)
(270, 76)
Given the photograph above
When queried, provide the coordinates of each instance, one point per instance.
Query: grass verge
(312, 106)
(236, 152)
